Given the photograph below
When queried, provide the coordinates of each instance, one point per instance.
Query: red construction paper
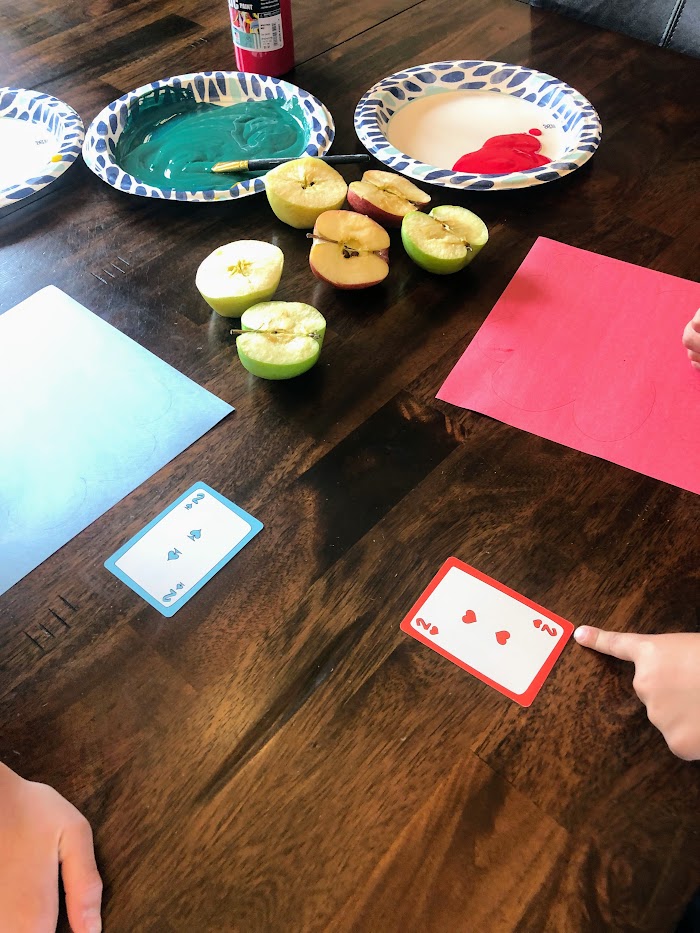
(586, 351)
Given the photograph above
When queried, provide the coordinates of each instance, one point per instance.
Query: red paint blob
(512, 152)
(535, 132)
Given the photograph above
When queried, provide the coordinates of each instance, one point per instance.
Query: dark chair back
(673, 24)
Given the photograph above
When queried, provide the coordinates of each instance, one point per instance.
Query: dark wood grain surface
(278, 756)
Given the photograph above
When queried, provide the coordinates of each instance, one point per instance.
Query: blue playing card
(174, 555)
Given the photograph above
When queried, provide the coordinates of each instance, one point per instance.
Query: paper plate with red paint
(477, 125)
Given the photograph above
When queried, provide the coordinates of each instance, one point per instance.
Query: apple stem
(275, 333)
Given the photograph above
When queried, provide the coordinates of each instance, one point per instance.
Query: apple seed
(450, 230)
(348, 251)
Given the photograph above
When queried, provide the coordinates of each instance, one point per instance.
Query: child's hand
(691, 339)
(39, 831)
(666, 680)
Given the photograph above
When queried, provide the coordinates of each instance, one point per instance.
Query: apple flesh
(445, 240)
(282, 339)
(349, 250)
(386, 197)
(300, 190)
(239, 274)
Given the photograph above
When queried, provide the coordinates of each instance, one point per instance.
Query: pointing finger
(622, 645)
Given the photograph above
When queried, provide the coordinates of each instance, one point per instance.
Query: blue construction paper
(87, 415)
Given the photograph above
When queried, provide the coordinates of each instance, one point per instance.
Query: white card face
(496, 634)
(181, 549)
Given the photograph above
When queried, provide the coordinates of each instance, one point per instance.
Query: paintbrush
(262, 165)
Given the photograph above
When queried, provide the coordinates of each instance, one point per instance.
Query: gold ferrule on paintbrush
(240, 166)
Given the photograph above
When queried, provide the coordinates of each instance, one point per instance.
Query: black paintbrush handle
(258, 165)
(263, 165)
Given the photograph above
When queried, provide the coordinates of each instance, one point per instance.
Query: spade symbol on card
(502, 637)
(174, 554)
(433, 629)
(194, 535)
(180, 586)
(544, 627)
(469, 616)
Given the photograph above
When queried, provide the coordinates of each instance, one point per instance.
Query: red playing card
(504, 639)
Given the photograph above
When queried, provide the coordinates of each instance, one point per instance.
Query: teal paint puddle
(172, 141)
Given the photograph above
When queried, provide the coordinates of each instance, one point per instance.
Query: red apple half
(349, 250)
(386, 197)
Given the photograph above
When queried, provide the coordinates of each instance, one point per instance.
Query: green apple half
(445, 240)
(283, 339)
(239, 274)
(300, 190)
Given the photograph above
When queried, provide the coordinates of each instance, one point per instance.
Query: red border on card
(524, 699)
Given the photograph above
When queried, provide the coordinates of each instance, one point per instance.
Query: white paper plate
(40, 137)
(421, 121)
(215, 87)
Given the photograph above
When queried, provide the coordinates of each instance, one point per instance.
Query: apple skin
(285, 186)
(440, 265)
(255, 251)
(363, 206)
(275, 371)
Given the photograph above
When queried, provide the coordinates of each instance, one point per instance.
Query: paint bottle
(262, 35)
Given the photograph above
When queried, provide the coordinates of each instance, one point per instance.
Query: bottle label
(257, 24)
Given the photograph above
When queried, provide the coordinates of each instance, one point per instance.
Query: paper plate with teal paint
(477, 125)
(40, 137)
(161, 140)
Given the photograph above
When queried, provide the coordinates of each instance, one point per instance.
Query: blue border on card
(111, 563)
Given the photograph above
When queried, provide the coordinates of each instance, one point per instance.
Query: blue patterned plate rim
(383, 99)
(59, 120)
(213, 87)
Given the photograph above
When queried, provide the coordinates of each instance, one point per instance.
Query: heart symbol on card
(502, 637)
(469, 616)
(434, 630)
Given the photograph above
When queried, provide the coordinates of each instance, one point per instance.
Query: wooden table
(279, 756)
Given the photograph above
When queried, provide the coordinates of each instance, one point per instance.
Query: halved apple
(282, 339)
(386, 197)
(235, 276)
(349, 250)
(445, 240)
(300, 190)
